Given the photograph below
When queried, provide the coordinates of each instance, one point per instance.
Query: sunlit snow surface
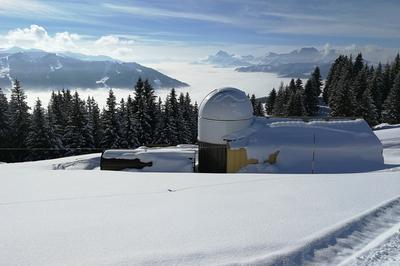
(92, 217)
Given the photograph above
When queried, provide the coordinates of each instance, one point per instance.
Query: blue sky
(195, 28)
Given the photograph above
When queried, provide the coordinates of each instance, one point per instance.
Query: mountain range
(297, 63)
(37, 69)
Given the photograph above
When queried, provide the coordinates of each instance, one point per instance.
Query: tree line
(71, 125)
(352, 89)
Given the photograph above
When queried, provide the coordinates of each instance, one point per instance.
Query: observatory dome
(226, 104)
(222, 112)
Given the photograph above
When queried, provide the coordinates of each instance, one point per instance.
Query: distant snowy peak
(297, 63)
(224, 59)
(42, 70)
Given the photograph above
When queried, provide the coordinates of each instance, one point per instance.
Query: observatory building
(231, 139)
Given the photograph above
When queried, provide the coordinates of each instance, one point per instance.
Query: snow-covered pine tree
(269, 105)
(359, 86)
(19, 116)
(4, 122)
(368, 109)
(253, 103)
(376, 88)
(387, 81)
(281, 101)
(259, 110)
(111, 137)
(194, 123)
(358, 65)
(333, 77)
(299, 85)
(391, 107)
(183, 119)
(295, 104)
(151, 112)
(57, 118)
(129, 127)
(94, 120)
(122, 118)
(342, 100)
(310, 98)
(41, 142)
(316, 80)
(169, 132)
(292, 86)
(159, 118)
(77, 134)
(142, 117)
(395, 68)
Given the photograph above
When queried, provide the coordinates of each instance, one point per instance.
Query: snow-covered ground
(51, 216)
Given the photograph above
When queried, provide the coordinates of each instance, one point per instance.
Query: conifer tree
(169, 133)
(281, 101)
(142, 118)
(358, 65)
(129, 128)
(259, 110)
(316, 80)
(295, 104)
(57, 118)
(342, 100)
(310, 98)
(183, 119)
(359, 84)
(269, 106)
(19, 116)
(122, 117)
(387, 82)
(77, 134)
(292, 86)
(4, 122)
(391, 107)
(40, 141)
(253, 103)
(95, 121)
(111, 137)
(299, 85)
(151, 114)
(368, 109)
(376, 88)
(195, 114)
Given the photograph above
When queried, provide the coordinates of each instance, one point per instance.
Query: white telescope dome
(222, 112)
(226, 104)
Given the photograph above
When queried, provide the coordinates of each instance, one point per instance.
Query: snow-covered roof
(318, 146)
(226, 104)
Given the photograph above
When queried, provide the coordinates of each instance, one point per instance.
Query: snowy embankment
(90, 217)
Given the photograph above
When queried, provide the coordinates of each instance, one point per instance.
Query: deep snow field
(68, 212)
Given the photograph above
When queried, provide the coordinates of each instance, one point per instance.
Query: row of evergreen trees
(71, 125)
(352, 89)
(296, 99)
(355, 89)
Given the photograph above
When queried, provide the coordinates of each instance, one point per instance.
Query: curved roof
(226, 104)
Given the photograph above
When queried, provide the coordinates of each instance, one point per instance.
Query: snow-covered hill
(42, 70)
(52, 216)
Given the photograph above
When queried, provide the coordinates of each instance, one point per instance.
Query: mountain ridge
(38, 69)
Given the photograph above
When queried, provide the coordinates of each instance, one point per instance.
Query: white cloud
(158, 12)
(27, 8)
